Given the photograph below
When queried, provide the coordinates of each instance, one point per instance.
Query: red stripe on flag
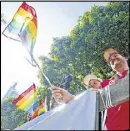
(33, 87)
(42, 104)
(28, 8)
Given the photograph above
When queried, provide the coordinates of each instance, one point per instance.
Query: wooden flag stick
(43, 74)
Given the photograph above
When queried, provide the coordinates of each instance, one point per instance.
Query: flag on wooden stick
(39, 110)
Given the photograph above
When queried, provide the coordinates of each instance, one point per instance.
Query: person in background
(96, 83)
(92, 81)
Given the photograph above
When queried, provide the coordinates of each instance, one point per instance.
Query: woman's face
(93, 83)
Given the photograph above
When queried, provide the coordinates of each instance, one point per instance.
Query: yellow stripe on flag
(41, 110)
(27, 102)
(32, 28)
(19, 18)
(25, 98)
(24, 13)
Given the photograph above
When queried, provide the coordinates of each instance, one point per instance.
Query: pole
(43, 74)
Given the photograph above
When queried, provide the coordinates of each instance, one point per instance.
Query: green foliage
(11, 117)
(81, 53)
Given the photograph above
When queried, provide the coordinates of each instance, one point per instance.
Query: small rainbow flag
(27, 100)
(40, 109)
(23, 27)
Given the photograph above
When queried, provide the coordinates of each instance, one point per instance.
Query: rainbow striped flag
(27, 101)
(40, 109)
(23, 27)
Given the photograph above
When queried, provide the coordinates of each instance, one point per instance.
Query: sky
(55, 19)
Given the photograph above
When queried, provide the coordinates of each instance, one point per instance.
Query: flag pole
(43, 74)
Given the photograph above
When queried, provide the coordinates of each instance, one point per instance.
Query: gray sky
(55, 19)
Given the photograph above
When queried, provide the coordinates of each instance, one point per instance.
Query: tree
(11, 117)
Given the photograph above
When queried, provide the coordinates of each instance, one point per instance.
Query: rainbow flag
(40, 109)
(43, 107)
(23, 27)
(27, 101)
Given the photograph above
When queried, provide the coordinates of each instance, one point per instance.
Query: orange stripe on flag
(27, 102)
